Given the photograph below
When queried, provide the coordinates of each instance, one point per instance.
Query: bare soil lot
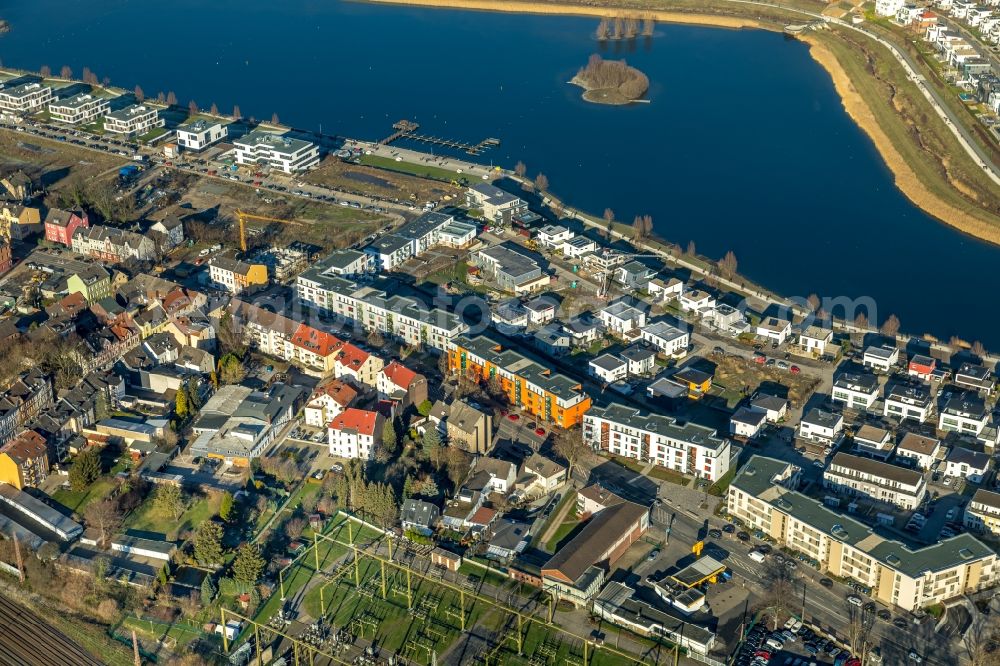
(735, 373)
(370, 180)
(52, 162)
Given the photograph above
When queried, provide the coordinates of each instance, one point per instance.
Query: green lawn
(419, 170)
(561, 533)
(78, 501)
(149, 518)
(152, 134)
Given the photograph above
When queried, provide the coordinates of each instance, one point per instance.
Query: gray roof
(769, 403)
(130, 112)
(277, 143)
(857, 381)
(494, 194)
(974, 459)
(822, 418)
(40, 512)
(419, 512)
(511, 261)
(748, 416)
(692, 433)
(638, 353)
(876, 468)
(510, 535)
(608, 362)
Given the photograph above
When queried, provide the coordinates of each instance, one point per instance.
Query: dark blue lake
(745, 145)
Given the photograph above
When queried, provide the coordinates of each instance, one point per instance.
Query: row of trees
(627, 27)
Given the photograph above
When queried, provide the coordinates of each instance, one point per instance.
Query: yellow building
(529, 385)
(24, 461)
(93, 282)
(983, 513)
(17, 222)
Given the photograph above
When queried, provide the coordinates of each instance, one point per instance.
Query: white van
(756, 556)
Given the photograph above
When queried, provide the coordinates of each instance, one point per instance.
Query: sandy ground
(906, 179)
(579, 10)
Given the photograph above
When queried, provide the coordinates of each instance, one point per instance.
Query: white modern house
(855, 390)
(620, 318)
(964, 412)
(553, 236)
(908, 402)
(24, 98)
(773, 407)
(200, 134)
(888, 7)
(279, 152)
(965, 463)
(670, 340)
(880, 357)
(134, 120)
(774, 329)
(747, 423)
(661, 290)
(873, 441)
(881, 481)
(608, 368)
(924, 450)
(815, 340)
(821, 427)
(78, 109)
(696, 300)
(577, 247)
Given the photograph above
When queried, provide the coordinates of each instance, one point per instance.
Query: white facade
(966, 464)
(25, 98)
(774, 329)
(134, 120)
(908, 403)
(353, 433)
(962, 414)
(670, 340)
(695, 300)
(888, 7)
(880, 481)
(815, 340)
(924, 450)
(609, 368)
(621, 318)
(859, 392)
(881, 358)
(278, 152)
(78, 110)
(200, 134)
(689, 449)
(553, 236)
(821, 426)
(577, 247)
(660, 290)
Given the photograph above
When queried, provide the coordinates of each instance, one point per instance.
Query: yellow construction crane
(243, 216)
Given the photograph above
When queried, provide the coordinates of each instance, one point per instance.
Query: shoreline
(565, 9)
(904, 177)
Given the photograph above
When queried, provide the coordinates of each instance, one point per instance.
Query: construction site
(358, 597)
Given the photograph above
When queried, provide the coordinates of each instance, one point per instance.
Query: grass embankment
(929, 165)
(419, 170)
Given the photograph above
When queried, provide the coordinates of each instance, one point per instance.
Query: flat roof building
(280, 152)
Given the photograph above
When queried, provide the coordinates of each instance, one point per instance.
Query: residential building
(236, 276)
(815, 340)
(594, 498)
(80, 109)
(509, 538)
(6, 257)
(661, 291)
(359, 366)
(27, 395)
(553, 236)
(641, 360)
(695, 300)
(541, 310)
(608, 368)
(416, 237)
(687, 448)
(578, 570)
(623, 319)
(399, 383)
(763, 495)
(511, 269)
(528, 384)
(168, 233)
(24, 461)
(697, 382)
(499, 207)
(911, 402)
(24, 98)
(881, 357)
(855, 390)
(888, 7)
(964, 463)
(465, 426)
(200, 134)
(582, 331)
(92, 281)
(633, 275)
(982, 514)
(747, 423)
(923, 450)
(19, 222)
(578, 246)
(354, 433)
(545, 475)
(669, 339)
(773, 407)
(875, 442)
(619, 604)
(419, 516)
(349, 263)
(33, 513)
(327, 401)
(60, 225)
(281, 153)
(552, 340)
(822, 427)
(976, 377)
(885, 482)
(774, 329)
(19, 186)
(113, 245)
(492, 475)
(134, 120)
(922, 367)
(964, 412)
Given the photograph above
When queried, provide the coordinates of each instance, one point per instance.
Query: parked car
(854, 600)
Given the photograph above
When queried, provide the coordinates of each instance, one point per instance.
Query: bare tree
(860, 622)
(45, 71)
(139, 94)
(813, 302)
(891, 326)
(609, 216)
(541, 182)
(236, 112)
(103, 516)
(572, 448)
(637, 229)
(214, 110)
(779, 588)
(647, 225)
(520, 169)
(861, 322)
(106, 81)
(89, 76)
(66, 72)
(691, 249)
(631, 27)
(274, 118)
(619, 28)
(648, 26)
(193, 107)
(602, 30)
(978, 349)
(728, 265)
(980, 642)
(956, 343)
(171, 98)
(161, 98)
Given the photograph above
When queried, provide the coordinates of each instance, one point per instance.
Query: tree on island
(616, 75)
(631, 27)
(619, 28)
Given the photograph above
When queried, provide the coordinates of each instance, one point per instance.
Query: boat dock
(407, 129)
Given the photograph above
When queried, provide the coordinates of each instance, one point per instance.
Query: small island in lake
(610, 81)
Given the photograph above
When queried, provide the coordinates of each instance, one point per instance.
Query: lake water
(744, 146)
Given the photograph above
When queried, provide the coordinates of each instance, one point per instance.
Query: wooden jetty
(407, 129)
